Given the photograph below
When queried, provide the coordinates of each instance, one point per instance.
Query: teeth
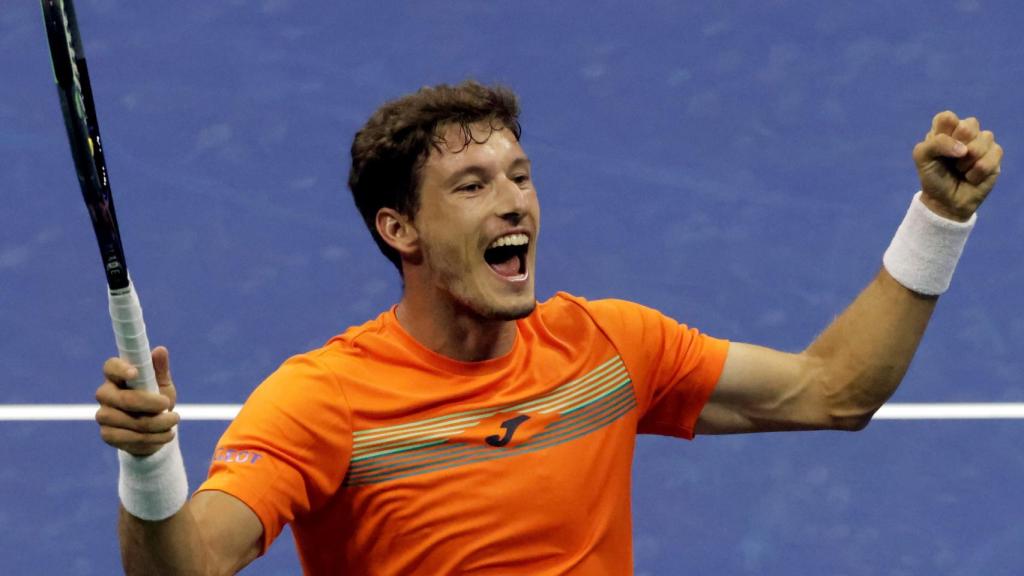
(511, 240)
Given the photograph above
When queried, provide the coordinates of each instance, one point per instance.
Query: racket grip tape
(130, 333)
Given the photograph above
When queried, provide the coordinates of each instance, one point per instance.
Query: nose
(513, 200)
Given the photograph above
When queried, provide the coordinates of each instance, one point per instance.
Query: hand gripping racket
(72, 78)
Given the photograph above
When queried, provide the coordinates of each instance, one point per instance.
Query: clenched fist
(958, 164)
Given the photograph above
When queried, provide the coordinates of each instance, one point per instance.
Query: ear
(398, 231)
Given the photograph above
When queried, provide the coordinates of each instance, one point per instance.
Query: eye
(521, 179)
(470, 187)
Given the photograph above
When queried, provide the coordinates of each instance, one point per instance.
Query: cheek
(448, 250)
(449, 233)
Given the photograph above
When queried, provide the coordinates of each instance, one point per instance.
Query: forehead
(457, 145)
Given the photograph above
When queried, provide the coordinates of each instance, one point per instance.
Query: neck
(450, 330)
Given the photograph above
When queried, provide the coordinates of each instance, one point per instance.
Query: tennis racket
(72, 78)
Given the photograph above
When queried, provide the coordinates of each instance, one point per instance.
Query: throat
(457, 336)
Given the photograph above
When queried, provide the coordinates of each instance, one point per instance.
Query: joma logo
(509, 426)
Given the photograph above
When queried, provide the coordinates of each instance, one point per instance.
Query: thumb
(162, 368)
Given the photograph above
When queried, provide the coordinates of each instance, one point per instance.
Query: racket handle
(130, 332)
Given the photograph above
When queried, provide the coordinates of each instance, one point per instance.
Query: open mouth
(507, 255)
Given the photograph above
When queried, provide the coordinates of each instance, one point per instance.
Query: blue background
(739, 165)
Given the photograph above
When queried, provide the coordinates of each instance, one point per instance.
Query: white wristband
(924, 252)
(153, 487)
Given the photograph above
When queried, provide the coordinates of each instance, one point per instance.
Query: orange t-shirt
(389, 459)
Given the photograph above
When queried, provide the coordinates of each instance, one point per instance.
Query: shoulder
(356, 337)
(320, 371)
(633, 328)
(608, 313)
(355, 345)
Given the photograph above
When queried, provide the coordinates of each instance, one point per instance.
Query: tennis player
(470, 429)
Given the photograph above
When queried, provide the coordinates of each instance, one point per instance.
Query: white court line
(51, 412)
(893, 411)
(952, 411)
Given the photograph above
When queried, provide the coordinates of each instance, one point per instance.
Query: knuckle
(134, 423)
(104, 416)
(978, 147)
(128, 400)
(109, 398)
(148, 424)
(145, 425)
(169, 423)
(158, 424)
(109, 435)
(142, 402)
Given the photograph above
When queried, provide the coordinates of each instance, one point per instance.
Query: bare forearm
(867, 350)
(171, 546)
(855, 365)
(863, 355)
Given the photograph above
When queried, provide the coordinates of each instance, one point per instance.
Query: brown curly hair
(392, 147)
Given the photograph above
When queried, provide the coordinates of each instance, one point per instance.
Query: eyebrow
(521, 161)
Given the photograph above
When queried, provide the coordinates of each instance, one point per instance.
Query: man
(470, 430)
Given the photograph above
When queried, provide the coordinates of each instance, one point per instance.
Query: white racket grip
(130, 332)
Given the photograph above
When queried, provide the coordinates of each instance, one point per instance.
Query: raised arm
(855, 365)
(214, 533)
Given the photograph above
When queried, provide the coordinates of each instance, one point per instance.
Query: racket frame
(71, 75)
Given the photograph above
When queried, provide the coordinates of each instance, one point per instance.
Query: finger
(938, 146)
(976, 150)
(134, 442)
(134, 401)
(945, 123)
(987, 167)
(119, 371)
(967, 130)
(162, 368)
(158, 424)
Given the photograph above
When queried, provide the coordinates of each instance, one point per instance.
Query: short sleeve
(674, 368)
(288, 450)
